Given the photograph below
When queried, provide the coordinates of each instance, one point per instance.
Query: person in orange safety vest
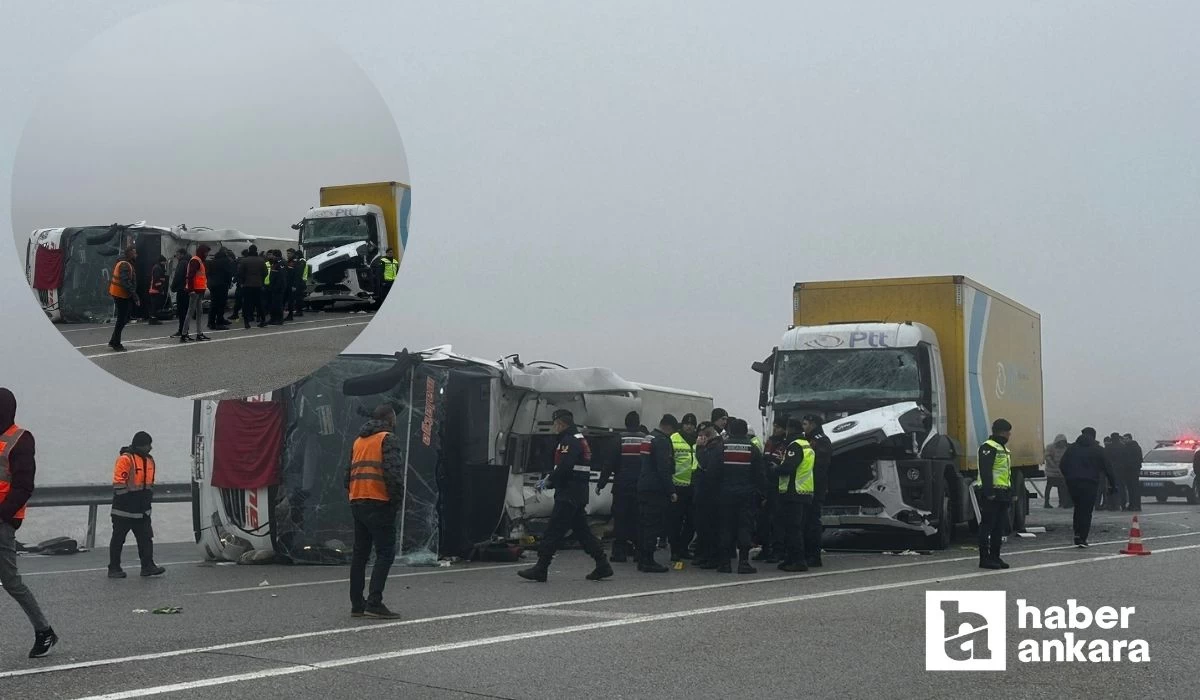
(133, 490)
(375, 481)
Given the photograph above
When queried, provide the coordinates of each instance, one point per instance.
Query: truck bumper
(886, 501)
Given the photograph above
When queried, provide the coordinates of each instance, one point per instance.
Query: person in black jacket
(994, 491)
(221, 271)
(624, 475)
(656, 491)
(158, 290)
(814, 432)
(250, 273)
(178, 287)
(794, 481)
(739, 480)
(570, 478)
(1082, 466)
(133, 493)
(710, 454)
(1133, 472)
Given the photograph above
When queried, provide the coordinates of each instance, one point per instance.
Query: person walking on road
(133, 491)
(375, 482)
(1054, 477)
(794, 478)
(17, 469)
(994, 491)
(122, 287)
(195, 284)
(158, 290)
(740, 481)
(624, 491)
(570, 479)
(814, 432)
(656, 492)
(681, 528)
(252, 270)
(1133, 472)
(1083, 465)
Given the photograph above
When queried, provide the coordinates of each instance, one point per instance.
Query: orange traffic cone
(1135, 540)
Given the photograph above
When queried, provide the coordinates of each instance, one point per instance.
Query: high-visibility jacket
(267, 277)
(756, 442)
(114, 285)
(802, 477)
(8, 442)
(1001, 467)
(367, 482)
(390, 267)
(685, 460)
(200, 281)
(133, 479)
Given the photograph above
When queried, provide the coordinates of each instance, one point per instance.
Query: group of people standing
(267, 285)
(1124, 456)
(709, 490)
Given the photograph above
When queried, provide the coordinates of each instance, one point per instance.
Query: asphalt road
(852, 629)
(235, 363)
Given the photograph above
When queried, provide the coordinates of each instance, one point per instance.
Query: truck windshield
(338, 231)
(887, 374)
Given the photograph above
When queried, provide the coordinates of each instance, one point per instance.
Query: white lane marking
(204, 395)
(171, 338)
(346, 580)
(589, 627)
(175, 346)
(518, 608)
(102, 568)
(580, 613)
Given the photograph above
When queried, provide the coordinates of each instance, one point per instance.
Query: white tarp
(585, 380)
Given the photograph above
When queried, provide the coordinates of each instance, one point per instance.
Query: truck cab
(340, 243)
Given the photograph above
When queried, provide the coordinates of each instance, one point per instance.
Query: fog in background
(639, 185)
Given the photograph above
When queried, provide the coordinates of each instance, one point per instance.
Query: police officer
(388, 266)
(656, 491)
(813, 426)
(299, 280)
(994, 491)
(739, 481)
(795, 487)
(624, 492)
(770, 536)
(572, 472)
(710, 455)
(682, 528)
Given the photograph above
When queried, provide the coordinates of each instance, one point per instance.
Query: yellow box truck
(346, 235)
(908, 375)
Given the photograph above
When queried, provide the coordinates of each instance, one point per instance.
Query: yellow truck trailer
(908, 375)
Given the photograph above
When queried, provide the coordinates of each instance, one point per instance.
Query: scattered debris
(1038, 529)
(264, 583)
(905, 553)
(139, 611)
(1026, 535)
(168, 610)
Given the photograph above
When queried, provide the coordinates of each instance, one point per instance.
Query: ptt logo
(873, 339)
(965, 631)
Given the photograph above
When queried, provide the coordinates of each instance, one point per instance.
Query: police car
(1169, 470)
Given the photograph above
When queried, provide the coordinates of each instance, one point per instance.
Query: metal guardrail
(95, 495)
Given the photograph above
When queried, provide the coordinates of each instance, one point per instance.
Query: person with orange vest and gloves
(375, 481)
(17, 467)
(133, 490)
(570, 478)
(122, 287)
(195, 284)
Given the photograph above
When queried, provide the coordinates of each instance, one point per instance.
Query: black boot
(619, 552)
(745, 568)
(996, 558)
(793, 566)
(986, 561)
(602, 571)
(725, 568)
(537, 572)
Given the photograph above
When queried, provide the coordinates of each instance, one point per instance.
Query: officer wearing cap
(570, 478)
(994, 490)
(656, 492)
(822, 449)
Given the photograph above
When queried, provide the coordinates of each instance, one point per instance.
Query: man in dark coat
(1083, 465)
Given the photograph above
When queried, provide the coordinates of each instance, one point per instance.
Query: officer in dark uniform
(710, 454)
(624, 493)
(656, 491)
(795, 487)
(769, 534)
(814, 432)
(739, 482)
(994, 493)
(570, 478)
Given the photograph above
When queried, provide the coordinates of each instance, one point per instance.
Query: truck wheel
(945, 529)
(1021, 507)
(1161, 499)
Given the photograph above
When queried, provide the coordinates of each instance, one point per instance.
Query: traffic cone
(1135, 540)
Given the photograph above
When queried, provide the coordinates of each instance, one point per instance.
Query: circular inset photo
(210, 201)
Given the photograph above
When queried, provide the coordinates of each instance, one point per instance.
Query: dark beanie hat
(689, 419)
(141, 439)
(718, 414)
(669, 420)
(564, 415)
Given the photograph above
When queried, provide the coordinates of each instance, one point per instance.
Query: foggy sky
(639, 185)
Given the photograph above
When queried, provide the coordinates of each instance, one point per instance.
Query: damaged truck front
(908, 375)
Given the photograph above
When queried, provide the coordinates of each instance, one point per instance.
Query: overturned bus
(269, 471)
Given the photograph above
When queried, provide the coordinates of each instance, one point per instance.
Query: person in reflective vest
(195, 284)
(624, 476)
(795, 488)
(17, 468)
(133, 491)
(388, 267)
(570, 479)
(122, 287)
(298, 276)
(814, 432)
(682, 528)
(994, 494)
(375, 483)
(739, 481)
